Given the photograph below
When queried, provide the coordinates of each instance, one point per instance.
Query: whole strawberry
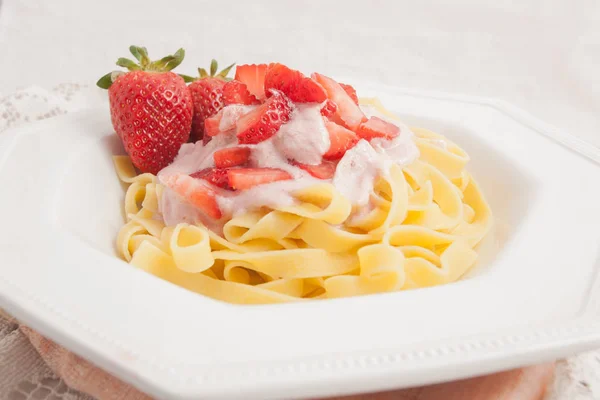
(207, 96)
(150, 108)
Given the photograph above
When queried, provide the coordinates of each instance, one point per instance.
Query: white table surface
(543, 56)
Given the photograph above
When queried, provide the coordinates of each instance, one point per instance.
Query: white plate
(534, 296)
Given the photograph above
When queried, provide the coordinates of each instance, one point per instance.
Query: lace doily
(25, 376)
(23, 373)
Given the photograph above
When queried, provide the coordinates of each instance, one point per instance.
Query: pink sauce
(305, 138)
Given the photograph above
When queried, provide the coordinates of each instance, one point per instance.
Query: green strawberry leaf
(223, 74)
(127, 63)
(105, 81)
(141, 54)
(187, 78)
(161, 64)
(175, 60)
(136, 52)
(213, 67)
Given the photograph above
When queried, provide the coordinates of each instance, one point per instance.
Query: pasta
(421, 230)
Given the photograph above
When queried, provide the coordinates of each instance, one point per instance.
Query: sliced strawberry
(325, 170)
(328, 109)
(231, 157)
(293, 84)
(265, 121)
(212, 124)
(246, 178)
(225, 119)
(348, 113)
(196, 191)
(235, 92)
(351, 92)
(341, 140)
(216, 176)
(253, 76)
(376, 127)
(205, 199)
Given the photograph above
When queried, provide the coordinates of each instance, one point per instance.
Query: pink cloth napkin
(521, 384)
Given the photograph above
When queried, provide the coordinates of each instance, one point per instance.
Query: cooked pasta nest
(427, 220)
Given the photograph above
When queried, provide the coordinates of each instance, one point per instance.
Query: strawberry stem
(141, 54)
(165, 64)
(202, 73)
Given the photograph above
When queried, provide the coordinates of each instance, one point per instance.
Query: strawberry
(212, 125)
(328, 109)
(348, 113)
(351, 92)
(265, 121)
(216, 176)
(195, 191)
(235, 92)
(225, 119)
(376, 127)
(341, 139)
(207, 95)
(150, 108)
(325, 170)
(293, 84)
(253, 76)
(246, 178)
(231, 157)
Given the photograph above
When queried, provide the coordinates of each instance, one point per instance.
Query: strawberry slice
(341, 140)
(246, 178)
(235, 92)
(265, 121)
(225, 119)
(212, 125)
(325, 170)
(204, 198)
(348, 113)
(253, 76)
(231, 157)
(351, 92)
(328, 109)
(376, 127)
(293, 84)
(196, 191)
(216, 176)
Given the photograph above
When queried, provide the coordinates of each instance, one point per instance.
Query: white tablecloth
(543, 56)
